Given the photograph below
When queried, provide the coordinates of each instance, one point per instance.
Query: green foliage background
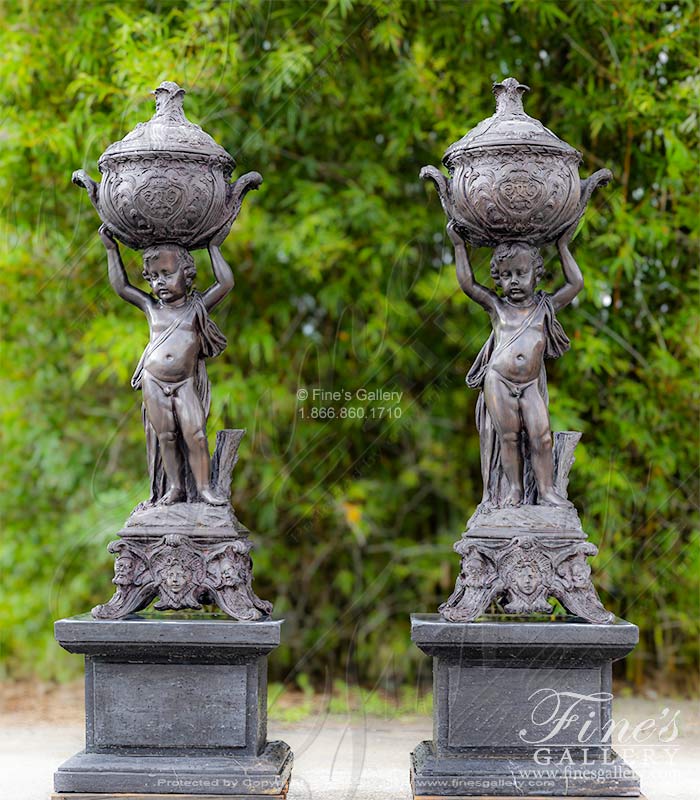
(345, 281)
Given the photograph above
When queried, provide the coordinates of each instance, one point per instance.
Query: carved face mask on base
(124, 569)
(229, 574)
(176, 577)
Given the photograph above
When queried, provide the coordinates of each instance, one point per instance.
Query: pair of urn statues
(513, 186)
(177, 702)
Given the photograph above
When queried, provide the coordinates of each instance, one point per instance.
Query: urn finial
(169, 99)
(509, 96)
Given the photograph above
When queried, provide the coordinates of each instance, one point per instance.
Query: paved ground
(342, 758)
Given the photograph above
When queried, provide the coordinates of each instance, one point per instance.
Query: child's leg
(504, 410)
(190, 415)
(160, 414)
(487, 433)
(536, 420)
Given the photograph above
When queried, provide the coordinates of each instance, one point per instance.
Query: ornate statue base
(525, 554)
(175, 707)
(521, 569)
(187, 554)
(497, 728)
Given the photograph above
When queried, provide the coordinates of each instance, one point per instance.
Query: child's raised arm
(572, 272)
(465, 276)
(222, 272)
(117, 273)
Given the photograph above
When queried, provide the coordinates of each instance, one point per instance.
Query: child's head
(517, 267)
(170, 270)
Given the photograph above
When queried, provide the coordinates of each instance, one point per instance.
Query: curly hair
(184, 258)
(508, 250)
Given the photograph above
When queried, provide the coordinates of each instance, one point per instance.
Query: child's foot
(211, 497)
(513, 498)
(174, 495)
(552, 498)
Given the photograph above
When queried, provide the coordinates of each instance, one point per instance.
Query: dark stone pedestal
(521, 708)
(174, 706)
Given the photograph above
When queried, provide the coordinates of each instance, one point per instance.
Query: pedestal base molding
(453, 777)
(266, 775)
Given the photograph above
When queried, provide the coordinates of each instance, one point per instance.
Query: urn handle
(600, 178)
(443, 186)
(81, 178)
(588, 186)
(236, 192)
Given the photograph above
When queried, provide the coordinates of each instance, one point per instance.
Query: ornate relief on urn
(512, 179)
(167, 181)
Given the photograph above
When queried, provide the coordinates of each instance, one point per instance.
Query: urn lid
(509, 127)
(169, 131)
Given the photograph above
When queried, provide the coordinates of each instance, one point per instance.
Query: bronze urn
(511, 178)
(167, 181)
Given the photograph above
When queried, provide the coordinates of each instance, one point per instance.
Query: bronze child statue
(514, 186)
(172, 373)
(166, 190)
(509, 370)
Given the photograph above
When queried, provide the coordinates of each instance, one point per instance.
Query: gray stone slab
(529, 641)
(433, 629)
(78, 634)
(141, 701)
(481, 706)
(154, 637)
